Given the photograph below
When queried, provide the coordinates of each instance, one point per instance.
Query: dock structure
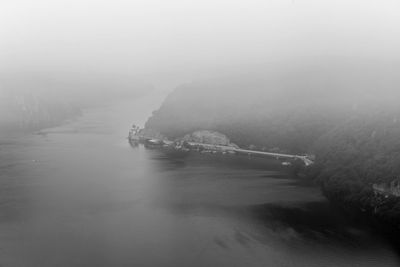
(306, 160)
(138, 135)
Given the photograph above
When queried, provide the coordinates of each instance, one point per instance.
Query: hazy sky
(177, 37)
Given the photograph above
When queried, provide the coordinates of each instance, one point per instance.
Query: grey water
(80, 195)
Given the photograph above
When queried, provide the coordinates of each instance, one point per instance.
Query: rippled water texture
(80, 195)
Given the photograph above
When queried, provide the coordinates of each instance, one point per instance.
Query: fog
(113, 47)
(188, 38)
(268, 133)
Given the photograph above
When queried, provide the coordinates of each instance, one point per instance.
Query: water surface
(80, 195)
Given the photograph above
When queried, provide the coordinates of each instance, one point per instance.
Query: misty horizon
(188, 39)
(204, 133)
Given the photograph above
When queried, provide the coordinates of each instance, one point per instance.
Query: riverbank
(80, 195)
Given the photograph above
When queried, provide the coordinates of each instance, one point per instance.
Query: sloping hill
(289, 110)
(349, 120)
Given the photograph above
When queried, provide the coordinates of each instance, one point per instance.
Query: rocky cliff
(26, 111)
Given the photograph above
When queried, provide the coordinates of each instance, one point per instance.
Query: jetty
(137, 135)
(306, 159)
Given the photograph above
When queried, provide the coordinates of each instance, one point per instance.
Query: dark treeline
(363, 151)
(349, 120)
(285, 109)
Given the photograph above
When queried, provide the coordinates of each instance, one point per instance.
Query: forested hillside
(350, 121)
(354, 156)
(288, 111)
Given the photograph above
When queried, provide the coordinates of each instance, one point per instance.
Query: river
(80, 195)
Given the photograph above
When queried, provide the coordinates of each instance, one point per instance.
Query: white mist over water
(74, 50)
(79, 195)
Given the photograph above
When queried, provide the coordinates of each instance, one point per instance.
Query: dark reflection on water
(80, 195)
(317, 221)
(285, 220)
